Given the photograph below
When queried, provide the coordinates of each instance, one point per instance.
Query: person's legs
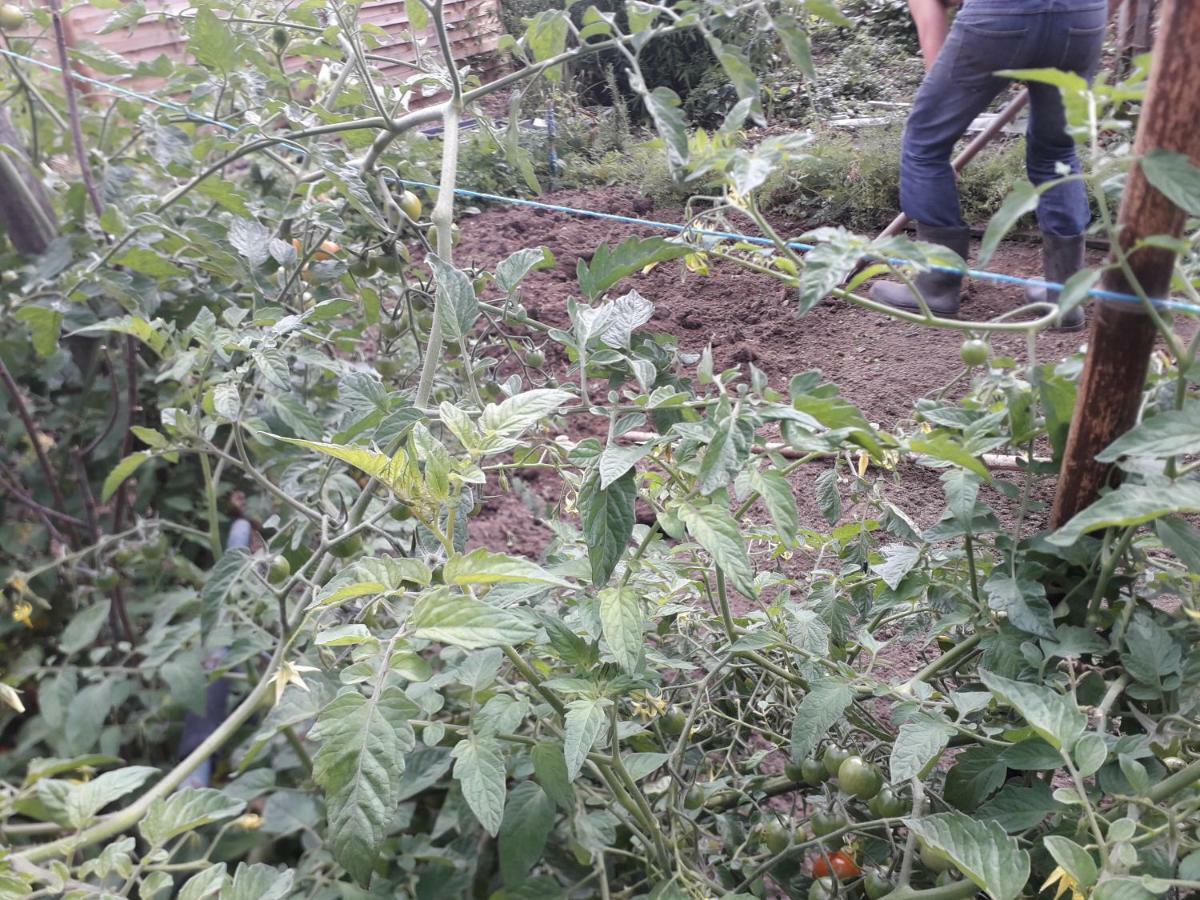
(1071, 42)
(958, 88)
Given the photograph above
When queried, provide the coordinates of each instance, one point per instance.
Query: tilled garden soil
(880, 364)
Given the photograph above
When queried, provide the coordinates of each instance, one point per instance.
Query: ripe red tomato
(837, 862)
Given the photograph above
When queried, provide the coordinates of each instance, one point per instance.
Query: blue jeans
(988, 36)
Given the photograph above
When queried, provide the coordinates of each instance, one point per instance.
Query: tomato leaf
(1131, 504)
(821, 707)
(980, 850)
(481, 566)
(1022, 199)
(1168, 433)
(528, 821)
(479, 768)
(1076, 861)
(714, 529)
(359, 766)
(184, 811)
(586, 723)
(917, 746)
(608, 519)
(621, 621)
(466, 622)
(1175, 177)
(1054, 716)
(550, 769)
(609, 265)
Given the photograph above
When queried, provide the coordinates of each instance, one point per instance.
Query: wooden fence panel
(474, 25)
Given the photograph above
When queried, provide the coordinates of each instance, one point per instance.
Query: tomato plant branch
(81, 155)
(955, 890)
(132, 814)
(947, 660)
(726, 613)
(34, 436)
(532, 677)
(210, 496)
(650, 823)
(969, 549)
(1178, 781)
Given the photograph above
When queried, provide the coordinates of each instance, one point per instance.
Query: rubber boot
(940, 289)
(1062, 257)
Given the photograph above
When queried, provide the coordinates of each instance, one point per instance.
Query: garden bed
(881, 365)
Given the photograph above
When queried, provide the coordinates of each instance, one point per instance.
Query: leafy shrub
(854, 180)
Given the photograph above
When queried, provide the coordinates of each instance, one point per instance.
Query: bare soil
(881, 365)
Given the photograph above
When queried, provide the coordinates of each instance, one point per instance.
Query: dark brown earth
(881, 365)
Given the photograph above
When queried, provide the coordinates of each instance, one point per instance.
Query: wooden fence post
(1122, 335)
(1135, 23)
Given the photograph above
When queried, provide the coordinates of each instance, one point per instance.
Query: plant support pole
(1123, 334)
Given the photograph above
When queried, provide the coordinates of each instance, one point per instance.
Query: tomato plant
(265, 633)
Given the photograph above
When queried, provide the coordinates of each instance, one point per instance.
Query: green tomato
(776, 836)
(887, 804)
(279, 570)
(431, 235)
(813, 772)
(823, 889)
(877, 885)
(535, 359)
(107, 579)
(347, 546)
(933, 859)
(410, 205)
(389, 264)
(858, 777)
(794, 771)
(12, 17)
(401, 512)
(833, 757)
(974, 352)
(364, 266)
(280, 37)
(827, 821)
(673, 722)
(694, 799)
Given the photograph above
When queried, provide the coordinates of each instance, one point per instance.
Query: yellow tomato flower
(863, 461)
(697, 263)
(1065, 883)
(289, 673)
(23, 613)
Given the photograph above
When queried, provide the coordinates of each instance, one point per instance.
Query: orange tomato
(327, 250)
(838, 863)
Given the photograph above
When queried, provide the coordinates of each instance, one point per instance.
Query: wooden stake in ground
(1123, 334)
